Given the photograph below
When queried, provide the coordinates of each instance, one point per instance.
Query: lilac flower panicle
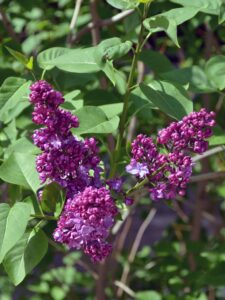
(86, 221)
(190, 133)
(65, 159)
(170, 172)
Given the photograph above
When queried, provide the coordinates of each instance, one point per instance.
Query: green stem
(44, 217)
(130, 84)
(137, 186)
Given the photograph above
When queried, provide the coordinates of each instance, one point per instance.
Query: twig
(207, 176)
(87, 268)
(74, 20)
(208, 153)
(134, 249)
(125, 288)
(95, 32)
(133, 122)
(219, 103)
(102, 23)
(8, 26)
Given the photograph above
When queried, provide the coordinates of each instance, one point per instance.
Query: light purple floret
(86, 221)
(137, 168)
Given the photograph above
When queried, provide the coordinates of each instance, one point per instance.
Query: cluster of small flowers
(86, 221)
(65, 159)
(190, 133)
(170, 172)
(75, 165)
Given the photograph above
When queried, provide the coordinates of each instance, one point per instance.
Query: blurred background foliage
(182, 253)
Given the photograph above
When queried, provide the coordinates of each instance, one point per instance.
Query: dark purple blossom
(190, 133)
(129, 201)
(169, 169)
(86, 221)
(172, 178)
(72, 163)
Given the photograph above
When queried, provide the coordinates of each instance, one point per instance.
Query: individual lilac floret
(129, 201)
(86, 221)
(190, 133)
(138, 169)
(115, 184)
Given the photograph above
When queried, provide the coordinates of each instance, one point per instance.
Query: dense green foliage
(179, 67)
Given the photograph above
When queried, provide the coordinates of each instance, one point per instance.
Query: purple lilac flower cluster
(170, 172)
(86, 221)
(75, 165)
(65, 159)
(190, 133)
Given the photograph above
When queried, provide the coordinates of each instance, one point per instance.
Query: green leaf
(33, 203)
(101, 56)
(109, 71)
(18, 55)
(20, 169)
(169, 21)
(206, 6)
(9, 87)
(156, 61)
(118, 51)
(69, 60)
(30, 63)
(171, 98)
(215, 70)
(11, 131)
(94, 120)
(105, 45)
(13, 222)
(45, 58)
(120, 81)
(52, 195)
(22, 145)
(222, 13)
(112, 110)
(181, 14)
(25, 255)
(193, 76)
(162, 23)
(218, 137)
(140, 105)
(123, 4)
(151, 295)
(13, 98)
